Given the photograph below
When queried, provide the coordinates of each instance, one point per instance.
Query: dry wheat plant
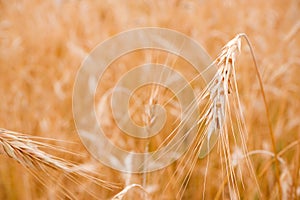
(247, 144)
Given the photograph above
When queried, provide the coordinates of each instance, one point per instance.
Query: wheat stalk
(212, 126)
(213, 122)
(27, 152)
(218, 91)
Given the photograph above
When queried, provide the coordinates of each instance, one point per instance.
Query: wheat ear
(27, 152)
(218, 90)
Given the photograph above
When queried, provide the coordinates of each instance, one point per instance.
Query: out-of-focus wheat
(42, 45)
(121, 194)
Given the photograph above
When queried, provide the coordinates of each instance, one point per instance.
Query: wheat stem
(277, 171)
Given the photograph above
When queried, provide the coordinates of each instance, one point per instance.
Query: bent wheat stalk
(218, 110)
(216, 121)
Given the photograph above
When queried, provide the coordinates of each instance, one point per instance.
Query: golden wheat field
(255, 111)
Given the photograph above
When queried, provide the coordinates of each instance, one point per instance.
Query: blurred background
(42, 45)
